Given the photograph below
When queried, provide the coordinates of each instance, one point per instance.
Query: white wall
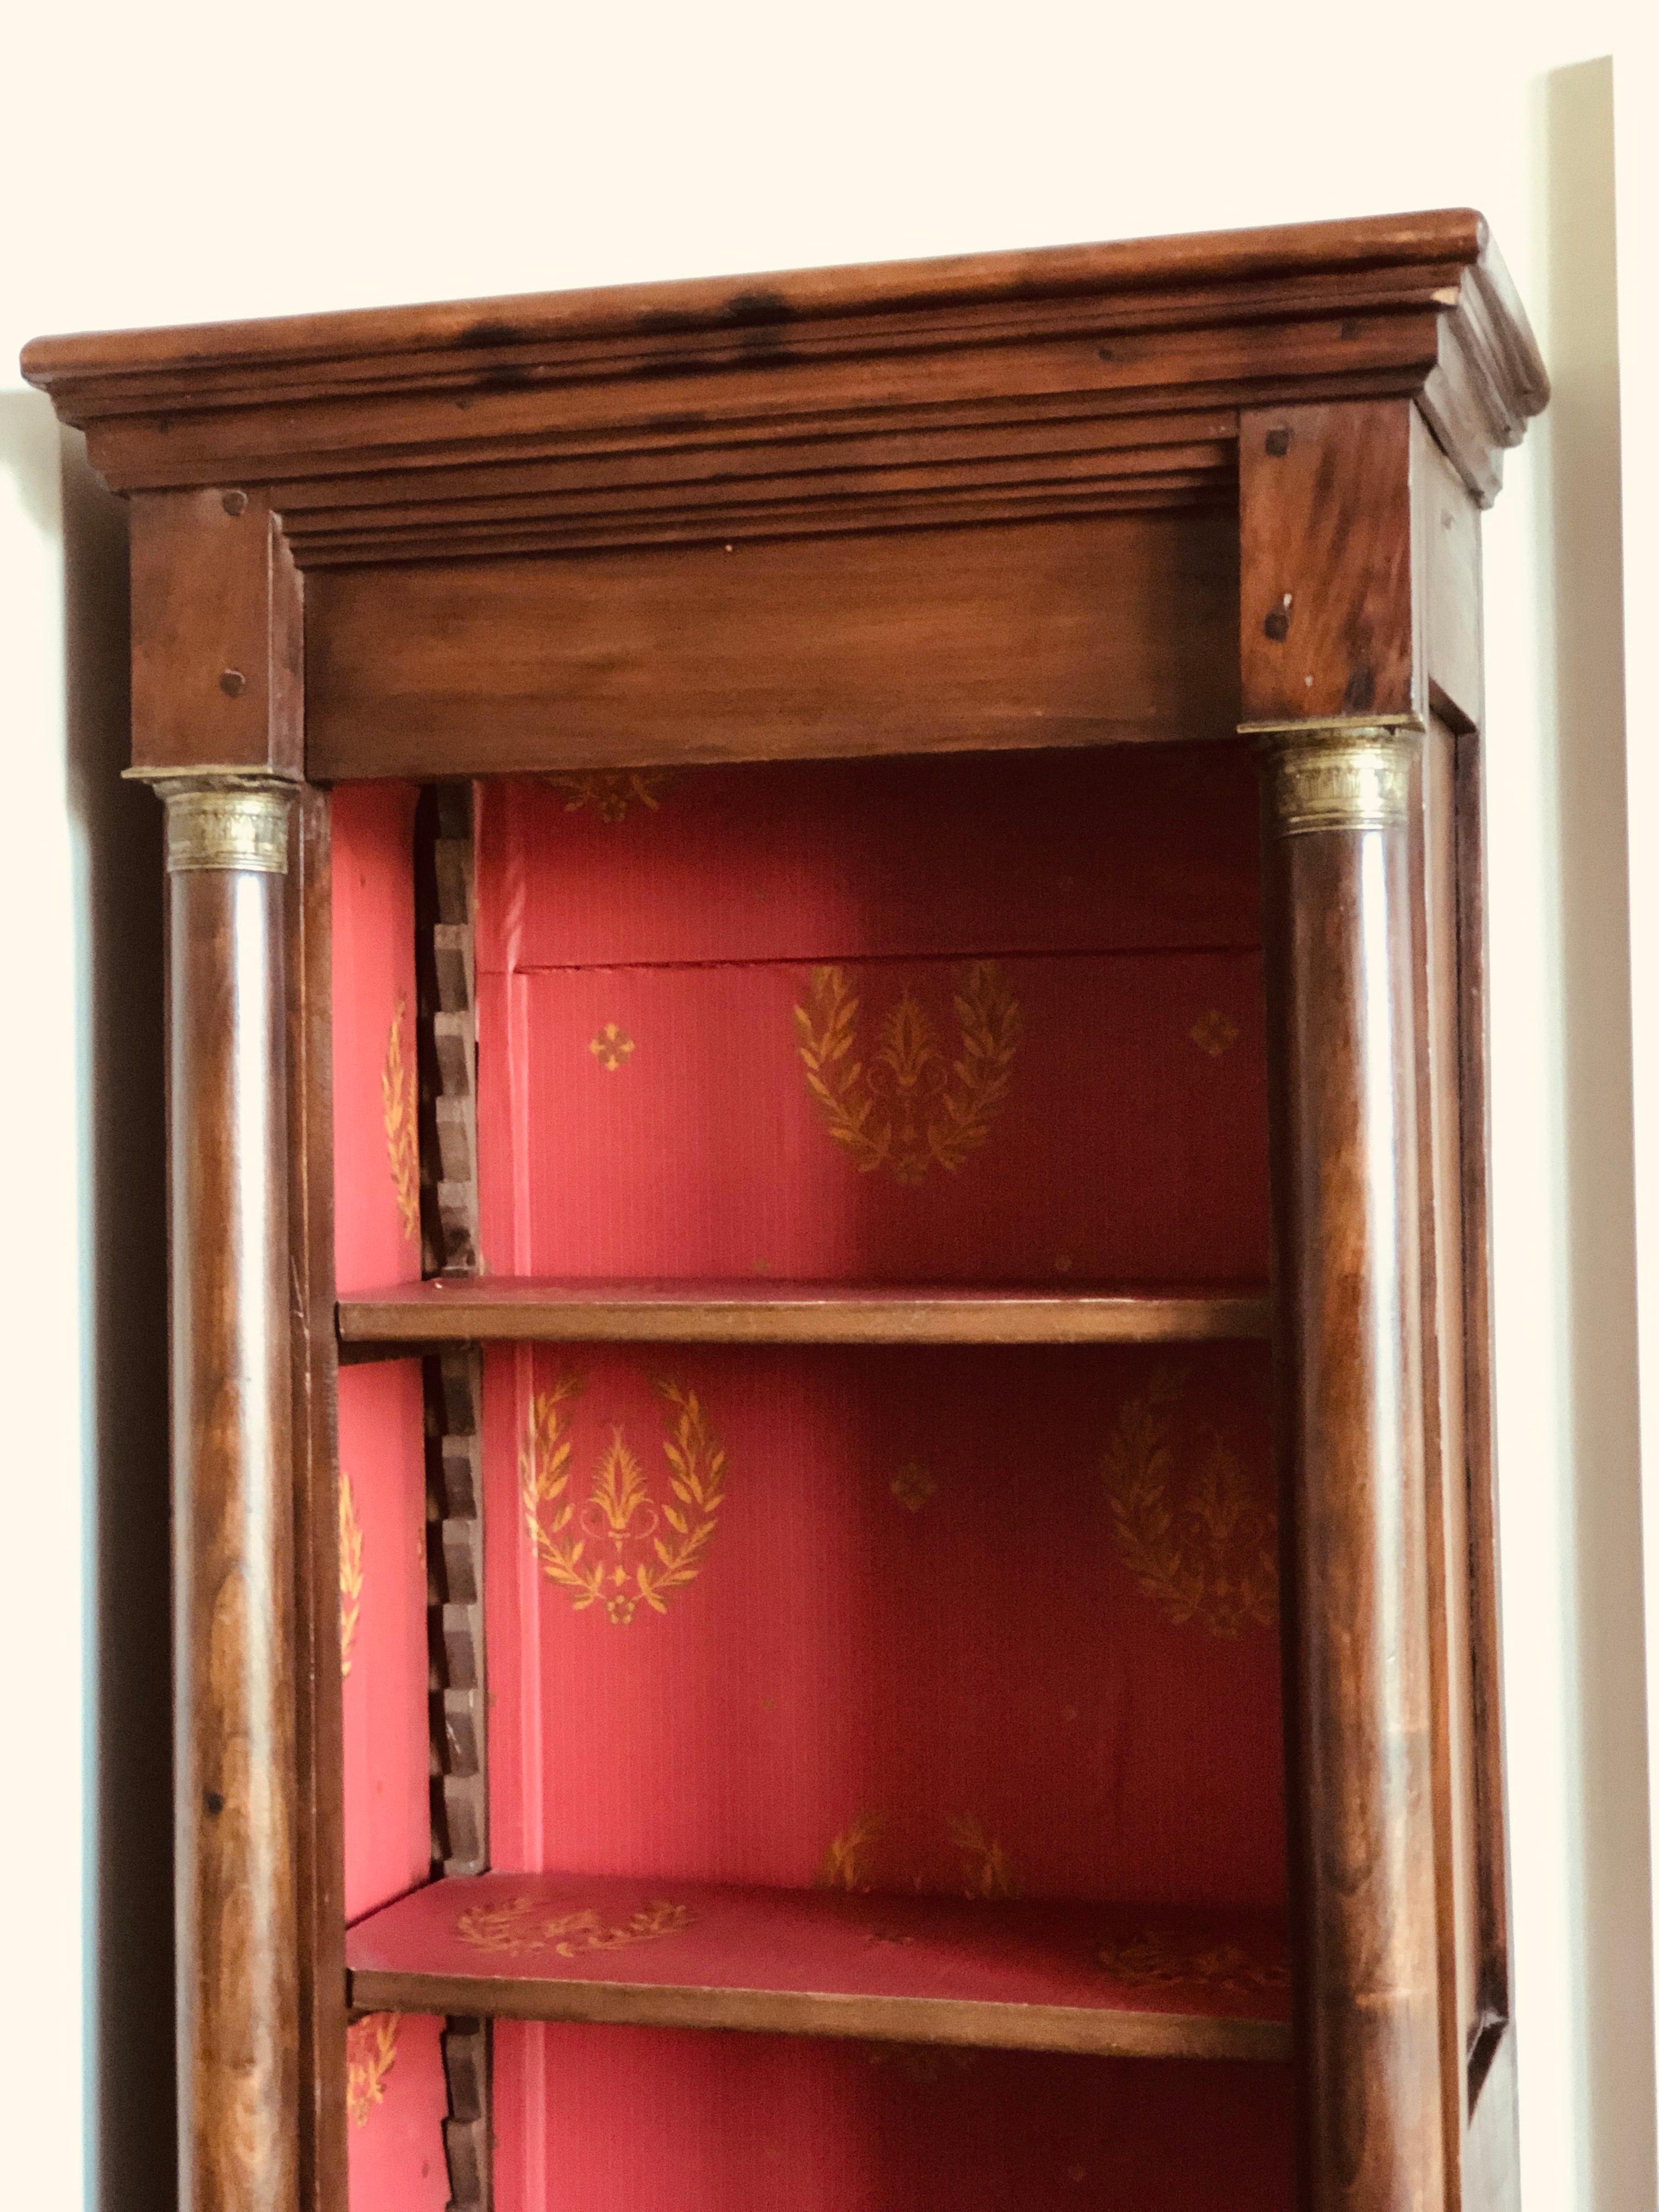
(182, 161)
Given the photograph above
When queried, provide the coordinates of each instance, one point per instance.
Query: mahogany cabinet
(829, 1232)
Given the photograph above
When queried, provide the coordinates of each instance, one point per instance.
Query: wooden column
(1340, 959)
(1335, 688)
(238, 1935)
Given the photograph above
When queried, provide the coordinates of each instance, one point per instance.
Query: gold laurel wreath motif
(849, 1860)
(1206, 1549)
(371, 2049)
(351, 1570)
(1163, 1960)
(609, 1551)
(613, 793)
(522, 1925)
(910, 1109)
(403, 1148)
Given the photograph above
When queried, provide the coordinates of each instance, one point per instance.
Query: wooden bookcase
(781, 893)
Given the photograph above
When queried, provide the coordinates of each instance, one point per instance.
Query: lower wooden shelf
(498, 1309)
(1111, 1980)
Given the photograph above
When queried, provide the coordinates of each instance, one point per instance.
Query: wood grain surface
(217, 635)
(1061, 633)
(502, 1309)
(1356, 1634)
(318, 407)
(238, 1931)
(1366, 1141)
(446, 1032)
(455, 1613)
(1327, 626)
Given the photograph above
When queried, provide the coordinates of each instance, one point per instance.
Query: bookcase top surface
(1414, 305)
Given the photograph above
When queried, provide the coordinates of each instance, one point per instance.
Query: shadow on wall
(120, 825)
(1615, 1913)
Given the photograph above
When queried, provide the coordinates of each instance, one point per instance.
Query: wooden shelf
(1111, 1980)
(497, 1308)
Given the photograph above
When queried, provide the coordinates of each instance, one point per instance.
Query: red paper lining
(924, 1664)
(614, 2119)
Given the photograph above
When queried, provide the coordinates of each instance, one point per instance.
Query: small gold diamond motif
(611, 1047)
(913, 1486)
(1214, 1033)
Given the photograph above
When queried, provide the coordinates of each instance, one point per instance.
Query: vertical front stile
(319, 1852)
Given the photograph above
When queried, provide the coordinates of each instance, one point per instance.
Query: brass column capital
(1336, 774)
(223, 818)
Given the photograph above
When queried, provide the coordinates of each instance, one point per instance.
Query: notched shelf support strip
(453, 1379)
(447, 1042)
(455, 1612)
(466, 2049)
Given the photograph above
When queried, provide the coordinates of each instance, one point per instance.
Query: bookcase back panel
(894, 1020)
(1109, 850)
(382, 1478)
(395, 2108)
(963, 1622)
(383, 1633)
(981, 1624)
(1019, 1120)
(377, 1171)
(609, 2120)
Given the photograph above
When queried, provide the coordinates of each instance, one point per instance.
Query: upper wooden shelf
(1114, 1981)
(507, 1309)
(998, 386)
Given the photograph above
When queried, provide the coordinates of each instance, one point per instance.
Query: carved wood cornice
(1075, 379)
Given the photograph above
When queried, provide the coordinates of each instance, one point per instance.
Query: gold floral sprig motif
(1188, 1527)
(403, 1148)
(848, 1858)
(522, 1925)
(613, 793)
(910, 1109)
(1160, 1960)
(612, 1550)
(986, 1867)
(351, 1570)
(371, 2051)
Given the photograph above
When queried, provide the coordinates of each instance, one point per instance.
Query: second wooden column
(238, 1943)
(1338, 888)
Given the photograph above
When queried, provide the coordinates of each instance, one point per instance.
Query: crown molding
(1074, 380)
